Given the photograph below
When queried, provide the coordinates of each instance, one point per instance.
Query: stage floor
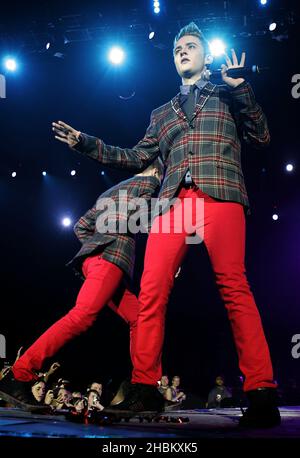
(206, 424)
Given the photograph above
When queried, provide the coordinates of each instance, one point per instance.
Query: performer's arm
(249, 116)
(134, 159)
(85, 226)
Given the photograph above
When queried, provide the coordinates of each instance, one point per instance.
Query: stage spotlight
(151, 35)
(116, 55)
(14, 174)
(263, 2)
(156, 7)
(289, 167)
(66, 222)
(102, 173)
(48, 45)
(275, 217)
(44, 173)
(272, 26)
(10, 64)
(73, 173)
(217, 47)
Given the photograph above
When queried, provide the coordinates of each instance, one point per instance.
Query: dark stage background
(83, 89)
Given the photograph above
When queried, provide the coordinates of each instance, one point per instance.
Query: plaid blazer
(118, 248)
(209, 144)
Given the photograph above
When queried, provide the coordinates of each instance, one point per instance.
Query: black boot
(18, 393)
(262, 411)
(141, 397)
(121, 394)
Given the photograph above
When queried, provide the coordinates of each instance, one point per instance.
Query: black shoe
(141, 398)
(121, 394)
(262, 411)
(18, 393)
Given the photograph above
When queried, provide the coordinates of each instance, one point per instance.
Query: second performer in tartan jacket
(117, 248)
(105, 260)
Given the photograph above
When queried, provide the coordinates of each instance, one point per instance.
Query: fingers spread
(59, 132)
(59, 126)
(234, 58)
(66, 126)
(64, 140)
(228, 61)
(243, 59)
(59, 129)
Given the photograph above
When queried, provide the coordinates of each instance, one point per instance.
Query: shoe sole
(22, 405)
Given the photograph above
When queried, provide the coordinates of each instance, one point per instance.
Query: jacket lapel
(175, 103)
(204, 95)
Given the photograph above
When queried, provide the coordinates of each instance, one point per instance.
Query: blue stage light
(156, 6)
(66, 222)
(217, 47)
(116, 55)
(10, 64)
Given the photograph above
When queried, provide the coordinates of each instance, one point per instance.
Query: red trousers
(222, 228)
(102, 279)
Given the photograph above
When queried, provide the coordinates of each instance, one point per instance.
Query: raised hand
(66, 133)
(233, 63)
(54, 368)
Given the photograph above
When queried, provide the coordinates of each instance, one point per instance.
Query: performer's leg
(164, 254)
(102, 279)
(127, 308)
(224, 238)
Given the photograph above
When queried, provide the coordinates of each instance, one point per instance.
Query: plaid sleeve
(135, 159)
(85, 226)
(249, 116)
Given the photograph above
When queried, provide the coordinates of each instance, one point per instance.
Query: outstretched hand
(232, 63)
(66, 133)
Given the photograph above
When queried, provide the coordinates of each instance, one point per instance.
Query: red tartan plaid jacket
(209, 144)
